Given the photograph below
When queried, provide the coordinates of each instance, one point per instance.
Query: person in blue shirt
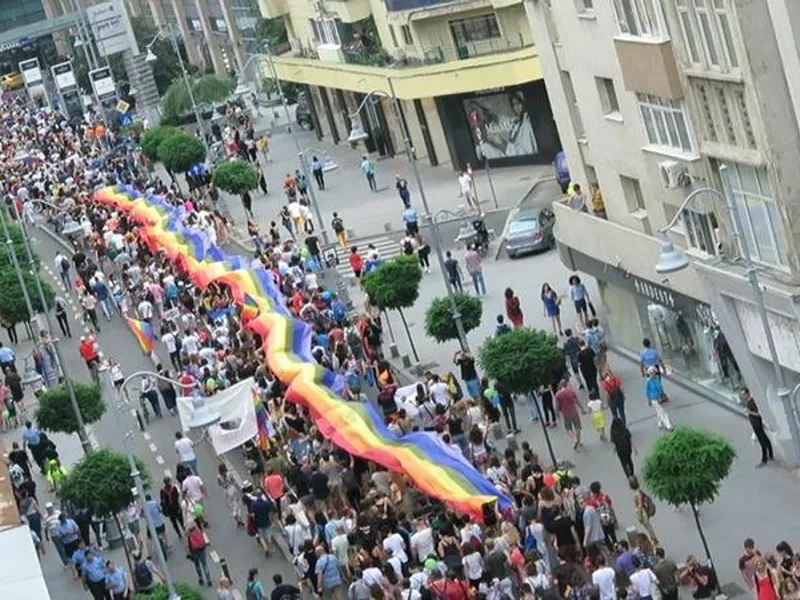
(369, 172)
(78, 558)
(94, 574)
(103, 296)
(316, 169)
(7, 358)
(32, 440)
(153, 512)
(654, 392)
(329, 574)
(650, 357)
(117, 582)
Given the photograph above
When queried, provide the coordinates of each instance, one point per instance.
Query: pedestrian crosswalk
(386, 246)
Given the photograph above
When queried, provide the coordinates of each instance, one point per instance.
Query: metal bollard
(393, 351)
(223, 565)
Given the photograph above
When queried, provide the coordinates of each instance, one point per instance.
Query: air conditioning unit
(316, 6)
(674, 175)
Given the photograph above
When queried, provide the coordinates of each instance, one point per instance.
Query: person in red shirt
(298, 300)
(88, 351)
(187, 384)
(356, 262)
(450, 587)
(569, 407)
(274, 486)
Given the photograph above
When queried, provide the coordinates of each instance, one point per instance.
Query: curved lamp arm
(689, 199)
(372, 94)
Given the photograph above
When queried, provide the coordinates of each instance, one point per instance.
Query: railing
(448, 53)
(371, 58)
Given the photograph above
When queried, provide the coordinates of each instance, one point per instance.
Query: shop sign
(706, 316)
(654, 292)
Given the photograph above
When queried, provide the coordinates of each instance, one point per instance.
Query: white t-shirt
(465, 182)
(169, 341)
(422, 545)
(438, 392)
(473, 566)
(145, 309)
(185, 449)
(398, 548)
(193, 488)
(642, 582)
(604, 580)
(189, 343)
(372, 575)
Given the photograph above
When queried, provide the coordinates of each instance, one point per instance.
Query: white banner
(238, 416)
(111, 27)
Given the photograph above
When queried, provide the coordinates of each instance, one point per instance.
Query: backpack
(529, 543)
(338, 225)
(250, 592)
(64, 264)
(408, 247)
(142, 576)
(606, 513)
(648, 505)
(196, 540)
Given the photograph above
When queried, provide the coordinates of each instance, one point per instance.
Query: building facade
(650, 98)
(466, 75)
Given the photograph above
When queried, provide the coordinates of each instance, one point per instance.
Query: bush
(54, 412)
(180, 151)
(235, 177)
(160, 592)
(439, 322)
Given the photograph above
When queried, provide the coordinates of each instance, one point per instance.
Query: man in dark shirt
(497, 565)
(18, 456)
(469, 375)
(757, 423)
(319, 487)
(262, 509)
(588, 367)
(453, 272)
(666, 571)
(283, 591)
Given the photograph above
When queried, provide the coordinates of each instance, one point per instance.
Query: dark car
(562, 171)
(530, 231)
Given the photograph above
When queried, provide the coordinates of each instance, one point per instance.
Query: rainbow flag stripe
(356, 427)
(144, 334)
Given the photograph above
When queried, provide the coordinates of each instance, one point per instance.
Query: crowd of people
(353, 529)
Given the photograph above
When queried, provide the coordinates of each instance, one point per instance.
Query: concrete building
(650, 97)
(466, 74)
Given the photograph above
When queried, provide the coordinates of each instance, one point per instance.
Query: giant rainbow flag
(356, 427)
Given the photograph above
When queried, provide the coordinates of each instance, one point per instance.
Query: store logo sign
(654, 292)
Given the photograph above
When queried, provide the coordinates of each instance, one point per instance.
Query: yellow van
(11, 81)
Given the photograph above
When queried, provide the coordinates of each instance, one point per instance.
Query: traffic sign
(26, 43)
(122, 106)
(124, 119)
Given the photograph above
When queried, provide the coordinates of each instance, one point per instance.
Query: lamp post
(357, 134)
(84, 437)
(300, 154)
(437, 243)
(151, 58)
(671, 260)
(201, 418)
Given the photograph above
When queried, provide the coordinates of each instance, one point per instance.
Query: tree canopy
(523, 359)
(153, 137)
(12, 302)
(180, 151)
(102, 482)
(688, 466)
(394, 284)
(54, 412)
(206, 89)
(235, 177)
(439, 322)
(160, 592)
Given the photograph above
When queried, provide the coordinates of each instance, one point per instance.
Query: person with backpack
(337, 224)
(61, 307)
(645, 508)
(254, 589)
(146, 575)
(197, 542)
(605, 510)
(329, 575)
(62, 267)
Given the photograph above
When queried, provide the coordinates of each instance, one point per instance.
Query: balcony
(273, 9)
(398, 5)
(441, 54)
(349, 11)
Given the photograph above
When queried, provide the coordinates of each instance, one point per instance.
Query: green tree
(54, 412)
(688, 466)
(272, 31)
(523, 360)
(394, 285)
(153, 137)
(12, 302)
(235, 177)
(290, 90)
(439, 322)
(15, 233)
(180, 151)
(206, 89)
(160, 592)
(166, 67)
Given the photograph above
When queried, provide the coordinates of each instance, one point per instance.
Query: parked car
(11, 81)
(531, 231)
(562, 171)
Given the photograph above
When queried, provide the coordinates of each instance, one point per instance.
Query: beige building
(466, 74)
(650, 97)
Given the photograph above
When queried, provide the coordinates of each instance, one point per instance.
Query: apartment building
(650, 98)
(466, 74)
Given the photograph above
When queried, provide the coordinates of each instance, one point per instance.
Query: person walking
(337, 224)
(757, 423)
(401, 185)
(580, 298)
(474, 264)
(513, 308)
(318, 172)
(588, 368)
(233, 493)
(369, 172)
(615, 397)
(423, 254)
(329, 575)
(568, 405)
(644, 507)
(650, 357)
(118, 583)
(552, 309)
(171, 505)
(61, 316)
(453, 270)
(654, 393)
(197, 542)
(89, 304)
(507, 407)
(620, 437)
(254, 589)
(262, 180)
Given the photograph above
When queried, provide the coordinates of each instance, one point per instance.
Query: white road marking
(160, 459)
(146, 436)
(214, 556)
(153, 448)
(167, 473)
(133, 412)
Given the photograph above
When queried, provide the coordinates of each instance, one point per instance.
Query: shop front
(685, 330)
(506, 126)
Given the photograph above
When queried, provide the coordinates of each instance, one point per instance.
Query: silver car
(531, 231)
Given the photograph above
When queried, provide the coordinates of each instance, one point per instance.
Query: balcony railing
(448, 53)
(374, 57)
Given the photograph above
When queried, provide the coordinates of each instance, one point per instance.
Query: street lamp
(437, 243)
(85, 442)
(327, 164)
(300, 155)
(670, 261)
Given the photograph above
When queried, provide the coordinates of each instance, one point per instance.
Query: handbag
(591, 309)
(663, 398)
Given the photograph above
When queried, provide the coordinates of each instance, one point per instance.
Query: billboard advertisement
(500, 124)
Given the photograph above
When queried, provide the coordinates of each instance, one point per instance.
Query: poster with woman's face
(504, 123)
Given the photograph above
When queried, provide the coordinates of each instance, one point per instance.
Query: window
(475, 29)
(725, 116)
(394, 36)
(702, 231)
(608, 96)
(408, 40)
(326, 31)
(585, 6)
(665, 123)
(640, 18)
(761, 221)
(572, 101)
(632, 192)
(707, 33)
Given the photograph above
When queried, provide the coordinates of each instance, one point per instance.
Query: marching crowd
(354, 529)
